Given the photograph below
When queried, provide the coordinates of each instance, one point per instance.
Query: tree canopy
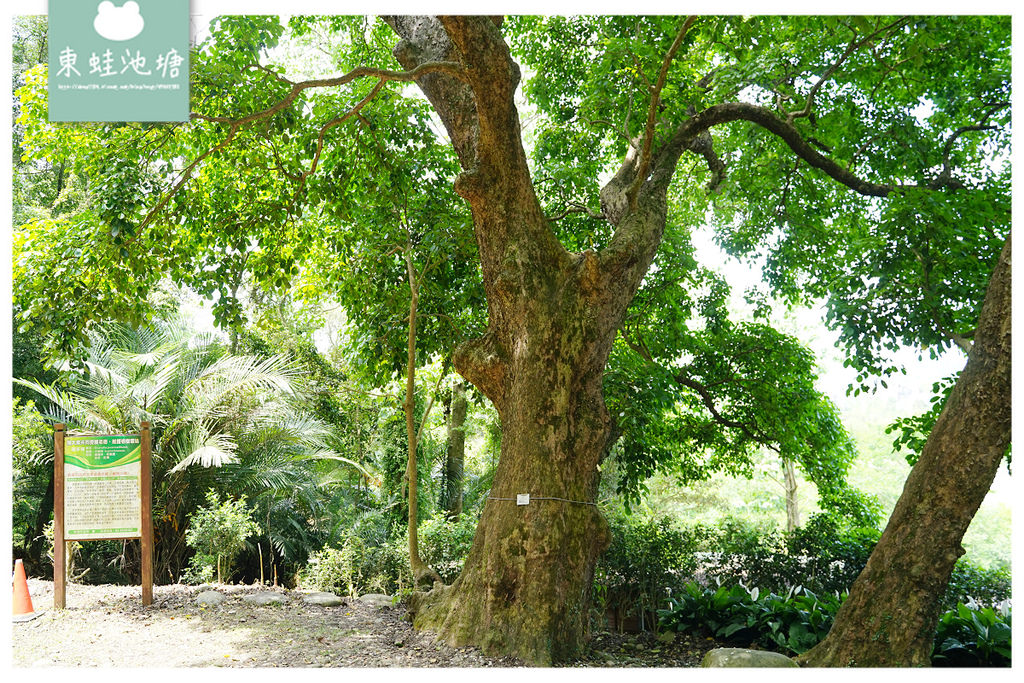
(840, 150)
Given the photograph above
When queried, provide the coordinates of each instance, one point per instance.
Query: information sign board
(102, 491)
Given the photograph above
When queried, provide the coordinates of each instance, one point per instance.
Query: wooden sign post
(102, 491)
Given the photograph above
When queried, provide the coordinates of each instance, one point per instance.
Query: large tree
(838, 147)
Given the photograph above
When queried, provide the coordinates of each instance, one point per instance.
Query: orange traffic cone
(22, 600)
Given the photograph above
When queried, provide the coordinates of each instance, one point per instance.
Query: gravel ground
(107, 626)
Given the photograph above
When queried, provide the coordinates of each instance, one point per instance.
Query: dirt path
(107, 626)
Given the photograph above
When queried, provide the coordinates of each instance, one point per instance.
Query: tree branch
(236, 124)
(741, 111)
(947, 148)
(703, 144)
(452, 69)
(576, 207)
(702, 391)
(354, 111)
(850, 49)
(645, 154)
(186, 173)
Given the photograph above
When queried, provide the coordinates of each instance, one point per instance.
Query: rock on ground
(738, 657)
(210, 598)
(376, 600)
(268, 598)
(323, 599)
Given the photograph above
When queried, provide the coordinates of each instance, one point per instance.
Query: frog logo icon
(118, 23)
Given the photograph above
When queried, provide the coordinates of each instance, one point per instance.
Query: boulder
(210, 598)
(265, 598)
(323, 599)
(738, 657)
(376, 600)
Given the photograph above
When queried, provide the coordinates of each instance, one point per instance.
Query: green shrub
(723, 612)
(970, 583)
(790, 624)
(331, 569)
(372, 557)
(737, 552)
(445, 544)
(217, 532)
(200, 569)
(832, 553)
(31, 469)
(974, 637)
(647, 560)
(825, 555)
(358, 567)
(797, 621)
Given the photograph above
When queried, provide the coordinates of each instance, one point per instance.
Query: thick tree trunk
(553, 316)
(455, 456)
(526, 584)
(890, 616)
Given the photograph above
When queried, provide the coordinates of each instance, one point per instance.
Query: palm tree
(221, 421)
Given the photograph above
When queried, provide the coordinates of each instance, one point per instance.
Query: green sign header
(100, 452)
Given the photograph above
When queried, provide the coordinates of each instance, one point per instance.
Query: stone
(738, 657)
(265, 598)
(376, 600)
(323, 599)
(210, 598)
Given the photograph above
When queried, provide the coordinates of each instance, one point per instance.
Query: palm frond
(66, 407)
(207, 449)
(361, 468)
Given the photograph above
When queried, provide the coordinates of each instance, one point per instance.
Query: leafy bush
(650, 559)
(647, 560)
(832, 553)
(978, 636)
(969, 635)
(372, 556)
(217, 531)
(358, 567)
(327, 570)
(445, 544)
(720, 612)
(970, 583)
(797, 622)
(737, 552)
(825, 555)
(200, 569)
(791, 624)
(31, 469)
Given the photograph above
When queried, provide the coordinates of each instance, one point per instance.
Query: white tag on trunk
(522, 499)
